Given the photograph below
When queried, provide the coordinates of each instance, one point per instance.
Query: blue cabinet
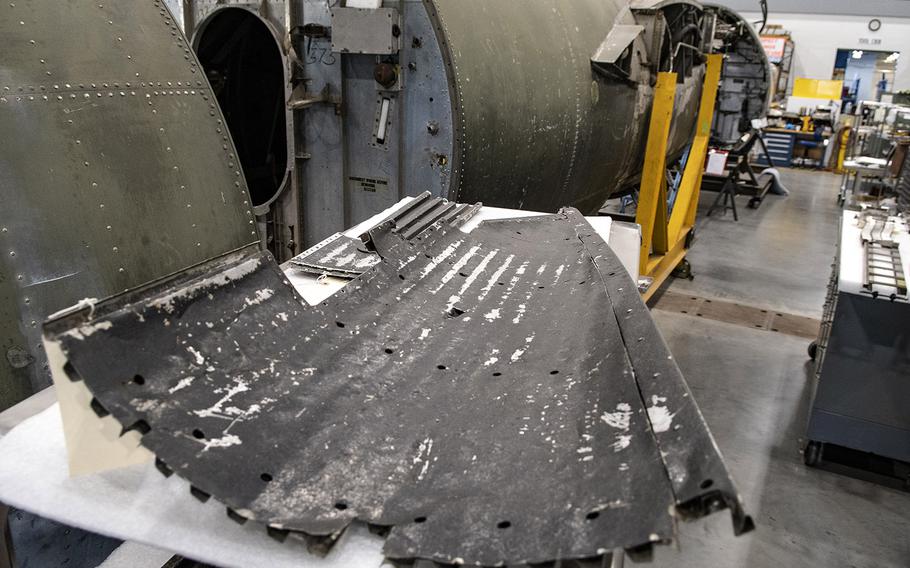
(780, 147)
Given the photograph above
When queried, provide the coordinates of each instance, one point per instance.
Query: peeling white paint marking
(495, 277)
(335, 252)
(166, 301)
(282, 316)
(660, 416)
(559, 272)
(369, 261)
(84, 331)
(346, 259)
(519, 352)
(424, 333)
(455, 298)
(513, 282)
(436, 260)
(404, 262)
(542, 269)
(308, 371)
(522, 308)
(619, 419)
(587, 458)
(469, 281)
(185, 382)
(493, 358)
(623, 466)
(216, 409)
(200, 360)
(261, 296)
(423, 455)
(222, 442)
(493, 314)
(459, 264)
(585, 450)
(622, 442)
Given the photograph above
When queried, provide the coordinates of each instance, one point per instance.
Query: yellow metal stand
(663, 238)
(842, 152)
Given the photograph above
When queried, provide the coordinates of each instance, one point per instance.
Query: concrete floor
(778, 256)
(753, 387)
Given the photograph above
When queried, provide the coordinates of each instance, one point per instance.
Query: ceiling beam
(866, 8)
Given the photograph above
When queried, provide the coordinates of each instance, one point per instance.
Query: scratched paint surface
(472, 392)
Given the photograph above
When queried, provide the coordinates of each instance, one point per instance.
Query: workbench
(156, 516)
(858, 415)
(861, 169)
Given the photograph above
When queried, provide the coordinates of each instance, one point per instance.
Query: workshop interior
(416, 283)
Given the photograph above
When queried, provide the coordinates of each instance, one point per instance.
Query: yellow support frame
(663, 237)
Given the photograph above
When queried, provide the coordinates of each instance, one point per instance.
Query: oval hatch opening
(243, 63)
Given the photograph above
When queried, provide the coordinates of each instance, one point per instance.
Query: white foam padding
(138, 504)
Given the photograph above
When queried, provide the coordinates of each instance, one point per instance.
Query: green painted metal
(536, 127)
(116, 168)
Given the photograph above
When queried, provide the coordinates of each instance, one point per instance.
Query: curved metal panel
(421, 397)
(531, 112)
(116, 167)
(745, 88)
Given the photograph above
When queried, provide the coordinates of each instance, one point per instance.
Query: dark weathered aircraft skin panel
(453, 393)
(535, 127)
(115, 165)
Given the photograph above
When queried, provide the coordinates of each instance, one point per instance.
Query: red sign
(774, 47)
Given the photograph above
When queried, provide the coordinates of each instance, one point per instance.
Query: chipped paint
(436, 260)
(497, 274)
(223, 442)
(182, 384)
(423, 457)
(84, 331)
(522, 308)
(619, 419)
(622, 442)
(197, 356)
(261, 296)
(660, 416)
(459, 264)
(335, 252)
(216, 410)
(166, 302)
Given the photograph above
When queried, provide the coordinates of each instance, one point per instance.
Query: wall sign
(774, 47)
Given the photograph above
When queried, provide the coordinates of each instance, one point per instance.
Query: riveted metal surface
(536, 128)
(492, 103)
(116, 167)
